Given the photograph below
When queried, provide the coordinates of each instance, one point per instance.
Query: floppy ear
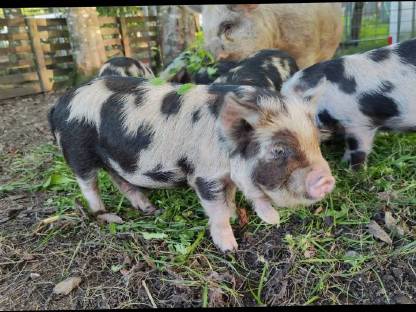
(312, 95)
(195, 8)
(239, 107)
(298, 89)
(246, 8)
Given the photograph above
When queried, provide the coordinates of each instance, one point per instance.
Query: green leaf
(185, 88)
(147, 235)
(211, 71)
(157, 81)
(56, 180)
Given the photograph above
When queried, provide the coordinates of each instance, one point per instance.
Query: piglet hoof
(270, 216)
(110, 218)
(151, 210)
(357, 160)
(224, 240)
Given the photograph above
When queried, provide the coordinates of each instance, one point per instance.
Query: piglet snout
(319, 183)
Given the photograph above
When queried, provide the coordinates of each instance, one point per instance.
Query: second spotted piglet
(364, 93)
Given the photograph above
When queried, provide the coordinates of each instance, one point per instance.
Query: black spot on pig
(114, 142)
(378, 107)
(110, 72)
(379, 55)
(196, 115)
(386, 86)
(171, 104)
(78, 139)
(122, 84)
(357, 159)
(334, 71)
(157, 174)
(208, 189)
(245, 145)
(328, 121)
(312, 75)
(140, 96)
(352, 143)
(406, 51)
(186, 166)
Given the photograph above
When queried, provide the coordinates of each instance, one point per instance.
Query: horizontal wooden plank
(52, 47)
(58, 66)
(19, 63)
(50, 21)
(16, 49)
(61, 84)
(113, 41)
(47, 34)
(17, 21)
(135, 19)
(107, 20)
(62, 71)
(143, 39)
(58, 59)
(18, 78)
(109, 31)
(20, 91)
(139, 50)
(16, 36)
(114, 52)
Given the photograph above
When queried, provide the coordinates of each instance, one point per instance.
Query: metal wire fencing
(369, 25)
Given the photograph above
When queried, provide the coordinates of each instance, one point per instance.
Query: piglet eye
(226, 29)
(278, 152)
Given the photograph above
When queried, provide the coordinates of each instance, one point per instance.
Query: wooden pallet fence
(18, 74)
(36, 55)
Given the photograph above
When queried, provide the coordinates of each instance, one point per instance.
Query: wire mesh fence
(369, 25)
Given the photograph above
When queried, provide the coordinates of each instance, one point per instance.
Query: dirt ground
(32, 263)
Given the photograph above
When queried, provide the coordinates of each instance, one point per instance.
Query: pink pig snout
(319, 182)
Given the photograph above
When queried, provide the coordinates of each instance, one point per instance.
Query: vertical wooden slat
(45, 83)
(124, 36)
(146, 29)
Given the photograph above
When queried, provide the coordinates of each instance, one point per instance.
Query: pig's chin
(288, 199)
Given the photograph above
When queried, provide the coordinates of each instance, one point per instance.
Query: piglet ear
(312, 95)
(240, 107)
(295, 88)
(246, 8)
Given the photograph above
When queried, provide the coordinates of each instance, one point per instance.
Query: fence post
(125, 36)
(41, 69)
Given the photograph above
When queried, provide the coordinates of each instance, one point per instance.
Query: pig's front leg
(215, 197)
(265, 211)
(358, 145)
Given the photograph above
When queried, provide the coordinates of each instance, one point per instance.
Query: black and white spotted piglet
(366, 92)
(125, 66)
(214, 138)
(267, 68)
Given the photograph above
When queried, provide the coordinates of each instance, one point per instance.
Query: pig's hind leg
(215, 197)
(133, 193)
(89, 189)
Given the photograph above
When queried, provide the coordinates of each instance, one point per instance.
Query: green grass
(320, 256)
(372, 33)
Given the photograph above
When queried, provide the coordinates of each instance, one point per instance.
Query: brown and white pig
(213, 138)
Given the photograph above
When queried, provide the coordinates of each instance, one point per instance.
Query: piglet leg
(358, 145)
(216, 200)
(266, 212)
(89, 188)
(134, 194)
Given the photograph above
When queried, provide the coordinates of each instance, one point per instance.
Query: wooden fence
(36, 55)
